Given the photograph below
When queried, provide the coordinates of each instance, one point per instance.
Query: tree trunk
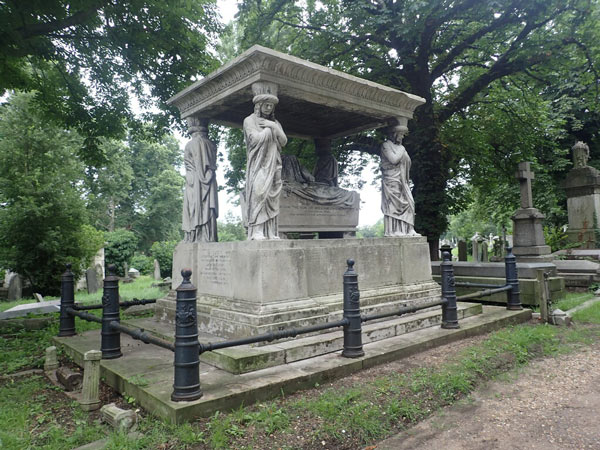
(429, 174)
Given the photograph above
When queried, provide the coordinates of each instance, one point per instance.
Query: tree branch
(40, 29)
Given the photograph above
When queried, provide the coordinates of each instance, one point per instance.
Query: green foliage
(556, 238)
(493, 75)
(119, 248)
(232, 229)
(42, 212)
(85, 59)
(143, 263)
(140, 188)
(369, 231)
(590, 314)
(163, 253)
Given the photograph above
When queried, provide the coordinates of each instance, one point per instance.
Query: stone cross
(525, 175)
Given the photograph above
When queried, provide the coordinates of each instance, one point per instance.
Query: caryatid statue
(264, 139)
(581, 154)
(397, 202)
(200, 202)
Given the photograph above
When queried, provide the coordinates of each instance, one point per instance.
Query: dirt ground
(553, 404)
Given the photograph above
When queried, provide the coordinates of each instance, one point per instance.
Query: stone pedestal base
(252, 287)
(529, 244)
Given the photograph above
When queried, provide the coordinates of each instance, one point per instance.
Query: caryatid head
(265, 98)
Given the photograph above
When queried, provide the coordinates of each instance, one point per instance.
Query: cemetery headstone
(92, 282)
(462, 250)
(157, 270)
(475, 241)
(38, 297)
(133, 273)
(528, 234)
(15, 287)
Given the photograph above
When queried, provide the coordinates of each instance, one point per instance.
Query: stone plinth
(529, 244)
(251, 287)
(582, 186)
(304, 216)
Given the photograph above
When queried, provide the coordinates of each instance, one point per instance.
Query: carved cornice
(296, 78)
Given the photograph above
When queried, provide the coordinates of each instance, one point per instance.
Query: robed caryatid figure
(397, 202)
(200, 202)
(264, 139)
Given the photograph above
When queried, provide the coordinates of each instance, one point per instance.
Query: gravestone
(157, 270)
(133, 273)
(528, 234)
(582, 186)
(476, 242)
(484, 252)
(462, 250)
(38, 297)
(91, 279)
(15, 287)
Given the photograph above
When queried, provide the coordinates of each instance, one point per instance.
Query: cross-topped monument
(528, 234)
(525, 175)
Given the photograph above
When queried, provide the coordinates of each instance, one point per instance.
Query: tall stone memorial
(529, 244)
(268, 282)
(582, 186)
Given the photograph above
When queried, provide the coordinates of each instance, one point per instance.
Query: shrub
(163, 252)
(119, 248)
(143, 263)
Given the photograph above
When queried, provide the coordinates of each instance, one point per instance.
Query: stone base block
(252, 287)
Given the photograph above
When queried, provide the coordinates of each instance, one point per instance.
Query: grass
(573, 299)
(345, 414)
(140, 288)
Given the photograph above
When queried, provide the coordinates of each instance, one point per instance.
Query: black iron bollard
(111, 339)
(352, 331)
(67, 300)
(513, 297)
(186, 386)
(449, 309)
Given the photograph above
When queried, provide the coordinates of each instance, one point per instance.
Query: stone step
(248, 358)
(224, 391)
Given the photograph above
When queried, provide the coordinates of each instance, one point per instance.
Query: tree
(449, 52)
(138, 189)
(85, 58)
(42, 211)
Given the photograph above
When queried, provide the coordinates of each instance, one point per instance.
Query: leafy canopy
(84, 58)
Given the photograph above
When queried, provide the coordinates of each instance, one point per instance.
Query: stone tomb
(246, 288)
(250, 287)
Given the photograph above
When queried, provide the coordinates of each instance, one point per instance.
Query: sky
(370, 209)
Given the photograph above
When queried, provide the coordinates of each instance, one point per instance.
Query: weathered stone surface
(252, 287)
(70, 379)
(314, 101)
(122, 420)
(15, 286)
(462, 250)
(224, 391)
(156, 272)
(91, 280)
(51, 361)
(90, 400)
(31, 308)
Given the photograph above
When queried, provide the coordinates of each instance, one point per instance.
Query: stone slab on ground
(145, 372)
(31, 308)
(248, 358)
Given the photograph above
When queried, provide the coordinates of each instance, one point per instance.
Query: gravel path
(554, 403)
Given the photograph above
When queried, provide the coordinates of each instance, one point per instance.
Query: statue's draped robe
(326, 170)
(200, 203)
(263, 178)
(397, 202)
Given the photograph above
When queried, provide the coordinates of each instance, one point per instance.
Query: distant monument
(582, 186)
(528, 234)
